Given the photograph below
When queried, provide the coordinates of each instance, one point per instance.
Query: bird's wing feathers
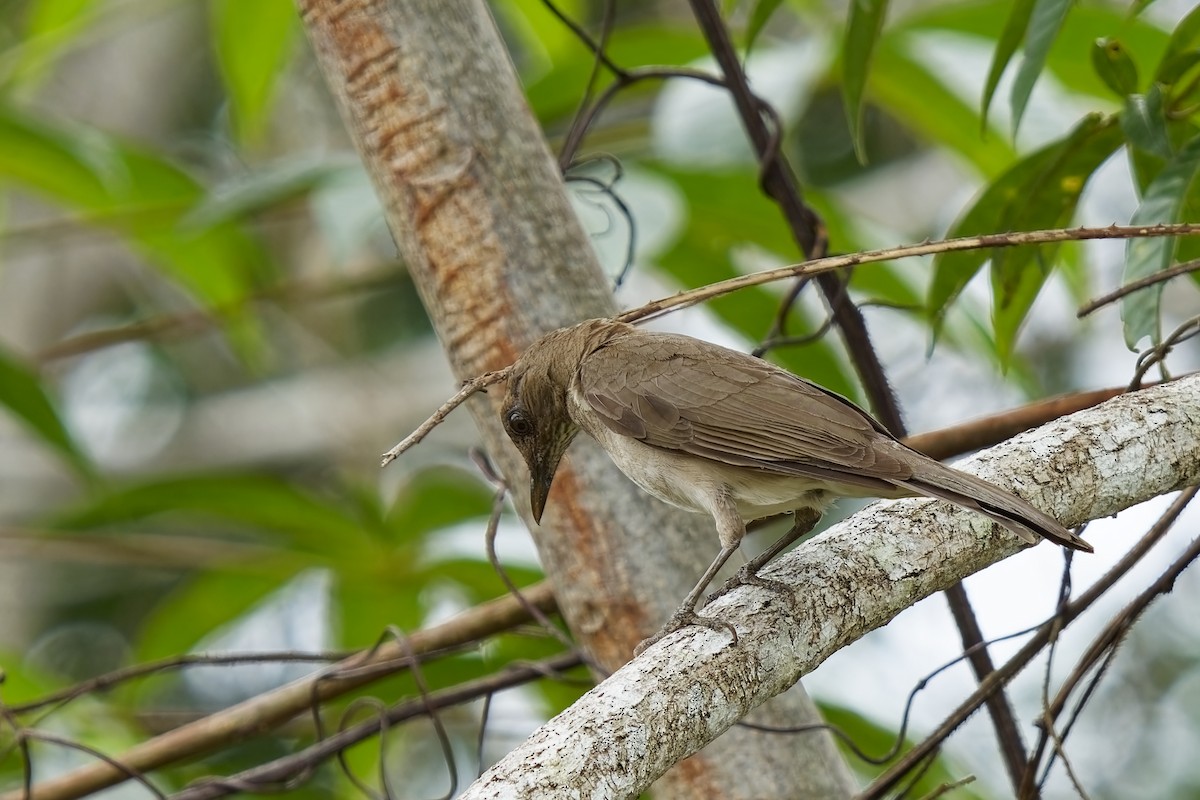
(677, 393)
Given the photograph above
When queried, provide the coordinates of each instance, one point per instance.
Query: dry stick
(692, 297)
(261, 713)
(884, 783)
(461, 396)
(264, 776)
(1140, 283)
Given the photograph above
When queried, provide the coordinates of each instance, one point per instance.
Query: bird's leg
(804, 520)
(686, 614)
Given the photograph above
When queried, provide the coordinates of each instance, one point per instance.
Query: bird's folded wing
(676, 393)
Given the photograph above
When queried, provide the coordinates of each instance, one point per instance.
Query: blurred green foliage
(204, 197)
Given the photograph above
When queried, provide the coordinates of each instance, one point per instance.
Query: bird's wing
(678, 393)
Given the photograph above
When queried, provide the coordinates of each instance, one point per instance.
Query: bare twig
(692, 297)
(469, 388)
(1140, 283)
(272, 773)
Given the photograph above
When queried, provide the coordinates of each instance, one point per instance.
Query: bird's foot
(683, 618)
(748, 576)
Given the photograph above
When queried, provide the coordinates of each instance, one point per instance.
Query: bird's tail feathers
(1004, 507)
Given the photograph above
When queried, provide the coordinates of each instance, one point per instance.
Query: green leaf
(1114, 66)
(759, 16)
(142, 197)
(437, 498)
(1184, 41)
(862, 34)
(1040, 191)
(1010, 39)
(1084, 25)
(252, 41)
(1145, 125)
(1163, 202)
(255, 502)
(904, 87)
(50, 27)
(22, 394)
(200, 606)
(1044, 24)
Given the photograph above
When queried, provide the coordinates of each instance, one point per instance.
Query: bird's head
(535, 412)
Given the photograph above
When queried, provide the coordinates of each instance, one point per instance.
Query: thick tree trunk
(479, 213)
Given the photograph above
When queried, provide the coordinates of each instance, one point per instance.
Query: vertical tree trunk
(478, 211)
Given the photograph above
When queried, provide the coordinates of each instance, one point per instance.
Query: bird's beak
(541, 476)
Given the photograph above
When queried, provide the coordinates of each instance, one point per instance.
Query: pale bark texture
(480, 216)
(853, 578)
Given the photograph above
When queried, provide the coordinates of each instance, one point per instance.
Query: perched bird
(713, 430)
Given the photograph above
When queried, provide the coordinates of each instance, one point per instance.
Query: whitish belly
(692, 483)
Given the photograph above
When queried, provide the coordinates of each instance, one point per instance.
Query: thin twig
(1005, 673)
(1140, 283)
(268, 775)
(469, 388)
(819, 266)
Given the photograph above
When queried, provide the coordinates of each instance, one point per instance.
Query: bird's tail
(945, 483)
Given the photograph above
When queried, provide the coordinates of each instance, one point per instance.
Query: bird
(713, 430)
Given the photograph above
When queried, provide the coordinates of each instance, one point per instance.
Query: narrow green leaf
(1185, 39)
(1163, 202)
(50, 28)
(1044, 25)
(759, 16)
(22, 394)
(252, 41)
(862, 35)
(1180, 70)
(904, 87)
(1040, 191)
(1010, 39)
(1114, 66)
(255, 502)
(1144, 123)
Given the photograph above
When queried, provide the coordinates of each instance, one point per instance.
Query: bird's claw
(748, 576)
(682, 619)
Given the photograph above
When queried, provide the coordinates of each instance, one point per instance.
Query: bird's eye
(518, 424)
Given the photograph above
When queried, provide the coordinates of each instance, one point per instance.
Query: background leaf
(1162, 202)
(863, 30)
(252, 42)
(1044, 24)
(22, 394)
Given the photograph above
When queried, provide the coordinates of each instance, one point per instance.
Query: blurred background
(206, 340)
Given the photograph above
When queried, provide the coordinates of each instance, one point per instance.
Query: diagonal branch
(689, 688)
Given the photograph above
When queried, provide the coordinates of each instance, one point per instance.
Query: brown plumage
(714, 430)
